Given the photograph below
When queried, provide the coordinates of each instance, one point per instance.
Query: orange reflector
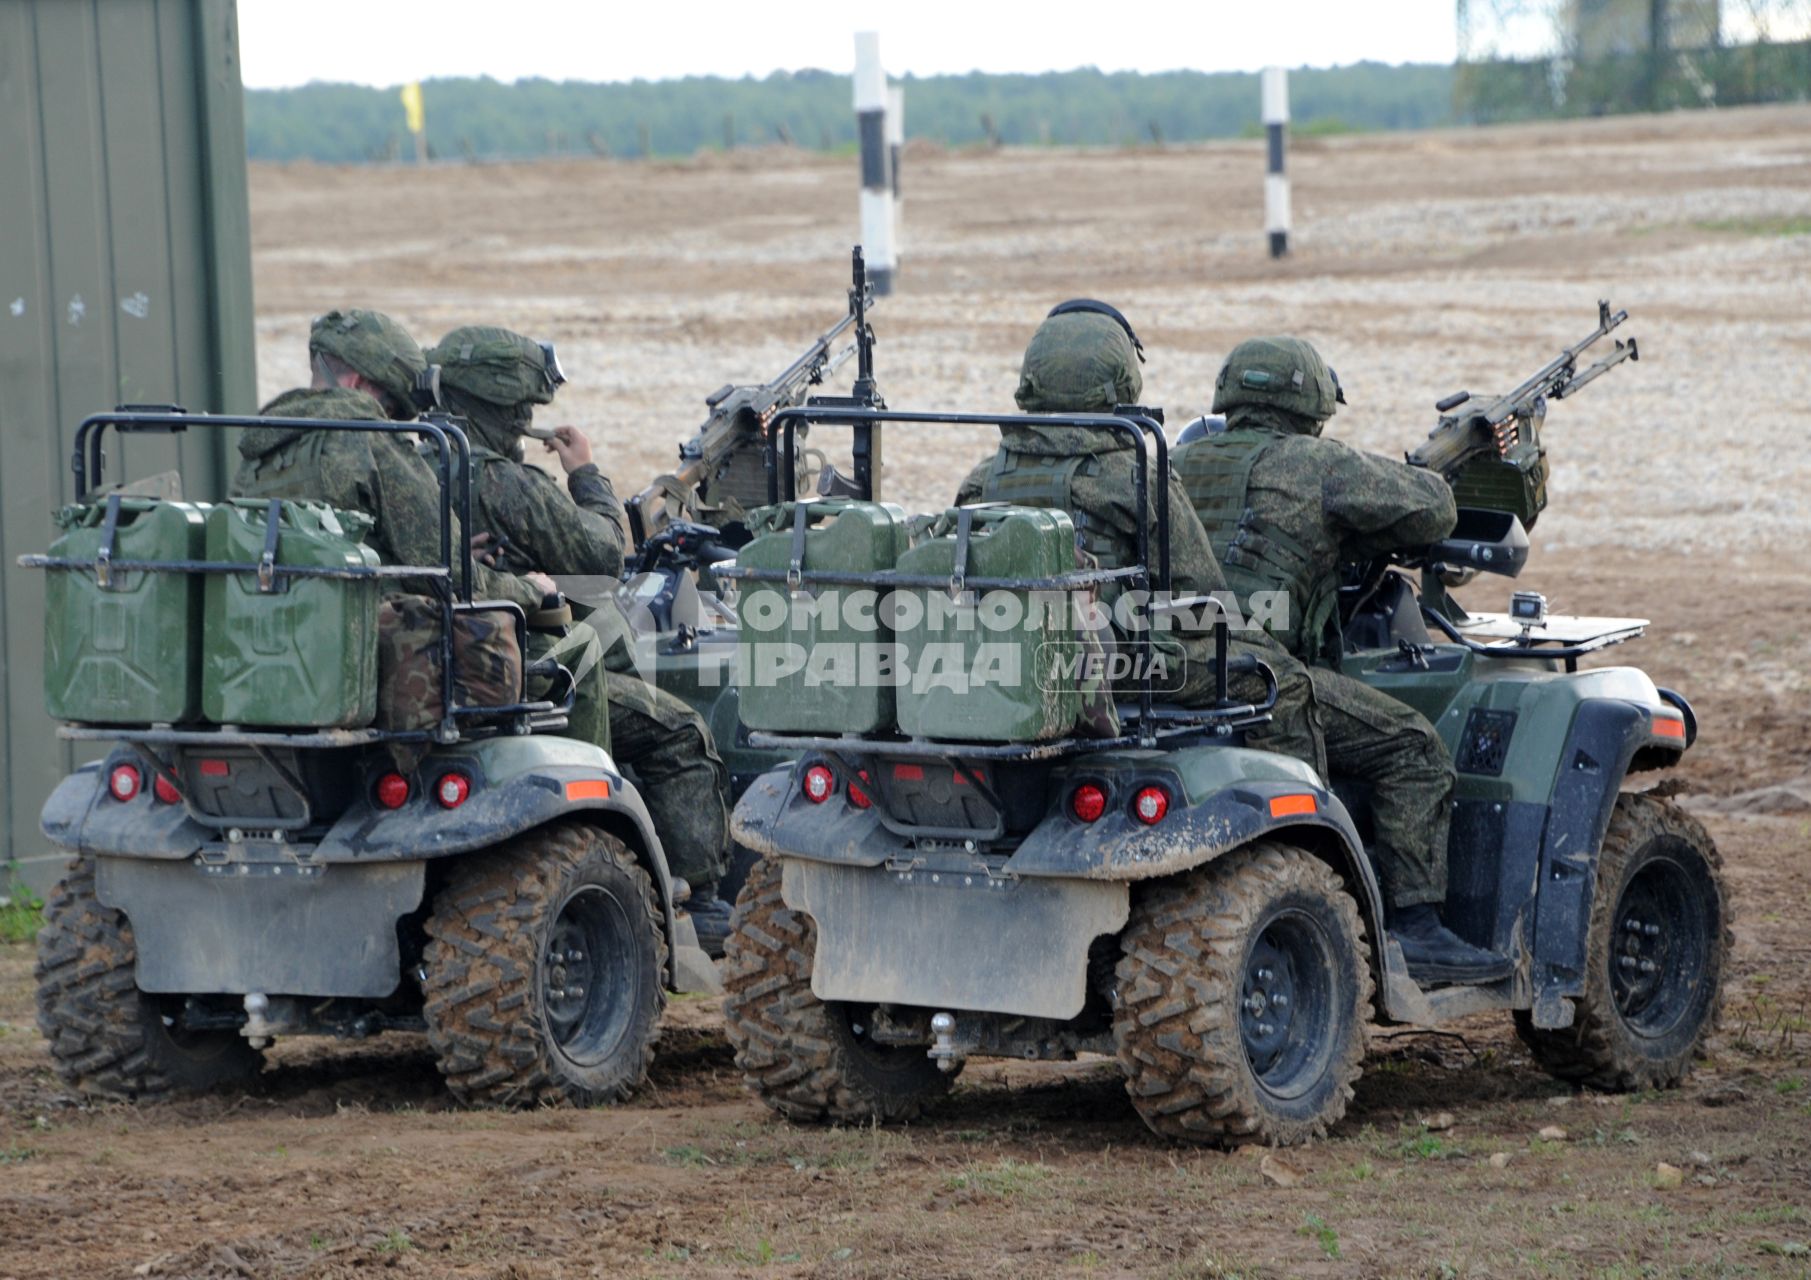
(1667, 727)
(1289, 806)
(588, 789)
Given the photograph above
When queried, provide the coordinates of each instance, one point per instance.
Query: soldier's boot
(1437, 956)
(686, 789)
(710, 917)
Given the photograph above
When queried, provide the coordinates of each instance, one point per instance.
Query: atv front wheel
(1654, 957)
(1243, 989)
(808, 1059)
(108, 1038)
(544, 971)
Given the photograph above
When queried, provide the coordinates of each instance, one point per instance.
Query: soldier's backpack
(411, 686)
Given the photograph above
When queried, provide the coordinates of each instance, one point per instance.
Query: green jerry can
(816, 659)
(993, 664)
(123, 646)
(302, 652)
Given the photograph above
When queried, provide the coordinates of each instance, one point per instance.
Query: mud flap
(952, 940)
(693, 971)
(279, 928)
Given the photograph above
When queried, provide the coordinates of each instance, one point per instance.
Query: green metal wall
(125, 277)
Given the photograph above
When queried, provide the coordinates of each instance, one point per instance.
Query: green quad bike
(1203, 912)
(257, 855)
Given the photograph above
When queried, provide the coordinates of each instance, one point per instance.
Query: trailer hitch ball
(257, 1029)
(943, 1050)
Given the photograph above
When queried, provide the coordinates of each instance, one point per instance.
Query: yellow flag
(411, 103)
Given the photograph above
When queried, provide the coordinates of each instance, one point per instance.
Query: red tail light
(124, 782)
(452, 789)
(1150, 805)
(1088, 802)
(820, 784)
(392, 791)
(857, 796)
(215, 769)
(165, 790)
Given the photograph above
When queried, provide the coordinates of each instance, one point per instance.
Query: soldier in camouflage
(494, 379)
(1084, 360)
(1285, 509)
(366, 368)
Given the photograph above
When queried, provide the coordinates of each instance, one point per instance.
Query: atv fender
(1564, 744)
(1606, 733)
(1221, 798)
(516, 785)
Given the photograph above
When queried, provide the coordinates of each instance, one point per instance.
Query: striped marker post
(876, 190)
(895, 146)
(1276, 180)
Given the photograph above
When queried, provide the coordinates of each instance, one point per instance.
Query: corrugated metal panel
(125, 276)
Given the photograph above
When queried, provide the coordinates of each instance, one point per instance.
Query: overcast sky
(385, 42)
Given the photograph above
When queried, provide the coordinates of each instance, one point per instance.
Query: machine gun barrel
(1553, 379)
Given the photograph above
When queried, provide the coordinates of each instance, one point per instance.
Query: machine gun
(1491, 452)
(722, 469)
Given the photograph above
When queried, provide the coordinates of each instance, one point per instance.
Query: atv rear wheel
(1243, 990)
(1654, 958)
(808, 1059)
(544, 971)
(108, 1038)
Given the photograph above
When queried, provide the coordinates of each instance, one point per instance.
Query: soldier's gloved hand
(484, 549)
(572, 446)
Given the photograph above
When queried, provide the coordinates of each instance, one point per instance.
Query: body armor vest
(1255, 553)
(1048, 480)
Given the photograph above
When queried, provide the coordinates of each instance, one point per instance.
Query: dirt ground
(1424, 263)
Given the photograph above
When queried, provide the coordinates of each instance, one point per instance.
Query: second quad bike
(256, 854)
(1205, 913)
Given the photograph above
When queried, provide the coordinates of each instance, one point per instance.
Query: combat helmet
(493, 378)
(1084, 358)
(1279, 373)
(498, 366)
(376, 347)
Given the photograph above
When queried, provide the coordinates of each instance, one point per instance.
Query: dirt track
(1425, 263)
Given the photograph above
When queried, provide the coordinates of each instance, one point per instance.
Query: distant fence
(1541, 59)
(1560, 86)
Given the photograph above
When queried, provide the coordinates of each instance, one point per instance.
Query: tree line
(484, 118)
(487, 119)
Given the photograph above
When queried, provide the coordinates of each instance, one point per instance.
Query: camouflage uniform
(383, 476)
(493, 378)
(1285, 509)
(1084, 362)
(377, 473)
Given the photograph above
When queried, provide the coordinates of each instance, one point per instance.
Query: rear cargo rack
(1151, 574)
(453, 595)
(229, 735)
(1166, 726)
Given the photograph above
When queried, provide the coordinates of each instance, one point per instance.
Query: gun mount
(722, 469)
